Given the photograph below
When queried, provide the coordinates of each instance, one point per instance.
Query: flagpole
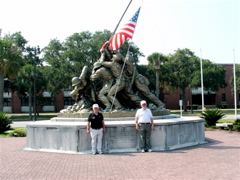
(235, 89)
(124, 61)
(121, 19)
(202, 81)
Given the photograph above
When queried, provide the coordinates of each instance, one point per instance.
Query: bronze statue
(107, 78)
(141, 82)
(82, 93)
(118, 76)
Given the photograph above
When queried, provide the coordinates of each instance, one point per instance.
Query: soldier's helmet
(75, 81)
(117, 57)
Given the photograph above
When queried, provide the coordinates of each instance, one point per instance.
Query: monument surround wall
(121, 136)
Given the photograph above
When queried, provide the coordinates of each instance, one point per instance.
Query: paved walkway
(218, 159)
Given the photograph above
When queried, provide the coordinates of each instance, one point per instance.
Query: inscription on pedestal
(122, 137)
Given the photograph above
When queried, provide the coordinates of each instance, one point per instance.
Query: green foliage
(194, 107)
(236, 125)
(211, 116)
(66, 59)
(213, 127)
(20, 132)
(11, 58)
(11, 47)
(222, 106)
(181, 67)
(226, 121)
(4, 122)
(237, 67)
(214, 76)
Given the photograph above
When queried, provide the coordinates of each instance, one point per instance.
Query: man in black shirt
(96, 121)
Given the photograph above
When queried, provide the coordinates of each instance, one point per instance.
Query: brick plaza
(217, 159)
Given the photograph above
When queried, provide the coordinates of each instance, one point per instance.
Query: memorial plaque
(121, 137)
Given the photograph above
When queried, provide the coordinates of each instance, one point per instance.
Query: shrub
(222, 106)
(236, 125)
(194, 107)
(211, 116)
(238, 106)
(19, 133)
(4, 122)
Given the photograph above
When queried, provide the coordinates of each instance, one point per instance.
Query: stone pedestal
(121, 114)
(121, 135)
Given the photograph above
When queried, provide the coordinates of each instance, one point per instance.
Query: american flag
(125, 32)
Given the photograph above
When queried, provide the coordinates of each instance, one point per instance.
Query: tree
(156, 66)
(237, 79)
(180, 71)
(58, 70)
(66, 59)
(11, 60)
(24, 86)
(213, 76)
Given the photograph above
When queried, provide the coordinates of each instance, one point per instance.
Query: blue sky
(163, 25)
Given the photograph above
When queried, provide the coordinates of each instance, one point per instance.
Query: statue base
(121, 136)
(113, 114)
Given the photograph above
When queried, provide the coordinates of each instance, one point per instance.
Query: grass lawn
(26, 117)
(199, 111)
(226, 121)
(12, 129)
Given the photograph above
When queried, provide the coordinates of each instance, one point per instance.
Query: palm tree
(10, 61)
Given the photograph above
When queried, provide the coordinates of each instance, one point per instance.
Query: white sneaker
(149, 150)
(99, 152)
(142, 150)
(94, 153)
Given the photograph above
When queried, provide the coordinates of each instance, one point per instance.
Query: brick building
(12, 104)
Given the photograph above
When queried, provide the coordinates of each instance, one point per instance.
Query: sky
(209, 28)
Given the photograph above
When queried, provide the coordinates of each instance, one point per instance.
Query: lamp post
(36, 52)
(157, 67)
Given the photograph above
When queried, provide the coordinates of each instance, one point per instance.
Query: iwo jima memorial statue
(119, 95)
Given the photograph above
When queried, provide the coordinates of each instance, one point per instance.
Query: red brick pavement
(218, 159)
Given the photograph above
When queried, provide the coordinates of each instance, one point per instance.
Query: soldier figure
(141, 82)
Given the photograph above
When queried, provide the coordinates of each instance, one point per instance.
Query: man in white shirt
(144, 123)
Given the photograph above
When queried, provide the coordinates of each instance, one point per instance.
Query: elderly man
(96, 128)
(144, 123)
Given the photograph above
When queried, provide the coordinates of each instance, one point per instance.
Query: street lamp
(36, 52)
(157, 67)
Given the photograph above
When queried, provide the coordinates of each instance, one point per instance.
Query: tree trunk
(184, 100)
(1, 90)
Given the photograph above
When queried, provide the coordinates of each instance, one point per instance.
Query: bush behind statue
(211, 116)
(4, 122)
(236, 125)
(21, 132)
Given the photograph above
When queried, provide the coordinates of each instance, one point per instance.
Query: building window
(68, 101)
(223, 97)
(48, 101)
(24, 102)
(180, 97)
(6, 102)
